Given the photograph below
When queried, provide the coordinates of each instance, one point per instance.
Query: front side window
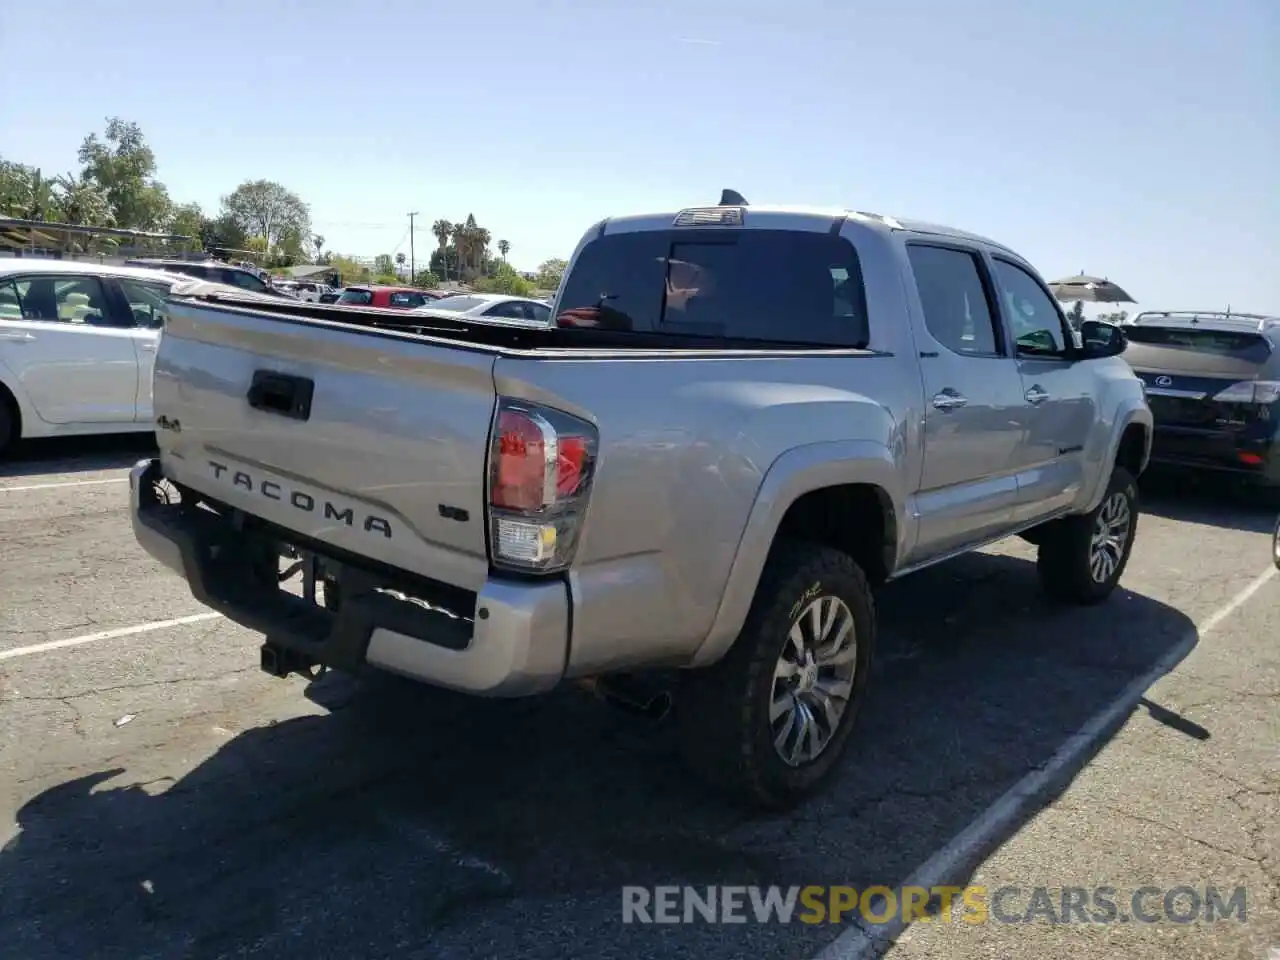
(146, 301)
(1033, 315)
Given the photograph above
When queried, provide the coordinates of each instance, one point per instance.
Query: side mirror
(1101, 339)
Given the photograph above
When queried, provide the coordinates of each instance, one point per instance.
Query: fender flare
(796, 472)
(25, 413)
(1127, 415)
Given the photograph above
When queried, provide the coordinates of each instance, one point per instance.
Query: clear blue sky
(1139, 139)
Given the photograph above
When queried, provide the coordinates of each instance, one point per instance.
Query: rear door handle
(1036, 394)
(948, 400)
(17, 337)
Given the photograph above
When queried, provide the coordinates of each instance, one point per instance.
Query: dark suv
(1213, 385)
(212, 270)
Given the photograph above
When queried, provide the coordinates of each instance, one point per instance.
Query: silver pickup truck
(743, 420)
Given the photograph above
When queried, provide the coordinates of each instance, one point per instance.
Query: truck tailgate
(387, 461)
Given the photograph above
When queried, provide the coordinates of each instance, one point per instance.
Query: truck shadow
(409, 822)
(66, 455)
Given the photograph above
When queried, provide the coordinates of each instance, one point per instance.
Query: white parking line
(63, 483)
(862, 943)
(106, 635)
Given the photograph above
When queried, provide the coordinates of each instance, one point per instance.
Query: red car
(372, 295)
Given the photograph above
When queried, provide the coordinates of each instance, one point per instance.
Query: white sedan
(493, 305)
(77, 346)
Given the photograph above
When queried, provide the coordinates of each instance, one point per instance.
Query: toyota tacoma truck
(743, 420)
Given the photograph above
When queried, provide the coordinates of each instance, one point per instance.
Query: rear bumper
(512, 643)
(1220, 451)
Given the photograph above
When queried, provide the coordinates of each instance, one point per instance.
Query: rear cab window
(760, 285)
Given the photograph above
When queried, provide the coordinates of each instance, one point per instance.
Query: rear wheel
(1082, 558)
(768, 723)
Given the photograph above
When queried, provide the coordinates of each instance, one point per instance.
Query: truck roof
(884, 223)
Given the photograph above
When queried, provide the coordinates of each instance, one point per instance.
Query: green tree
(188, 220)
(444, 262)
(267, 209)
(382, 265)
(317, 241)
(443, 231)
(504, 280)
(400, 259)
(550, 274)
(222, 234)
(26, 194)
(348, 269)
(122, 165)
(426, 279)
(504, 247)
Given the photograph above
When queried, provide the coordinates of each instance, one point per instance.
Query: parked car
(77, 344)
(214, 271)
(312, 292)
(1213, 383)
(374, 295)
(495, 305)
(743, 420)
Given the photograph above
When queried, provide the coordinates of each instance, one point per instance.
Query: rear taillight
(541, 462)
(1263, 392)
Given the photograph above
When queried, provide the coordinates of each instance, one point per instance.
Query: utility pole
(412, 268)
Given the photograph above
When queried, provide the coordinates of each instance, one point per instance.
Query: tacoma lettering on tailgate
(300, 499)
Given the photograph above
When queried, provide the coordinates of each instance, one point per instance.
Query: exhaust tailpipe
(635, 696)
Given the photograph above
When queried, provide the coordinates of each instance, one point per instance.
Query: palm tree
(443, 230)
(317, 241)
(504, 247)
(462, 245)
(400, 259)
(82, 201)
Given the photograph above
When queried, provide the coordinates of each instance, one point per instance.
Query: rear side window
(956, 309)
(1237, 344)
(404, 298)
(356, 296)
(762, 285)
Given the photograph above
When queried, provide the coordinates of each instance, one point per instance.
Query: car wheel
(1083, 557)
(1275, 544)
(8, 426)
(767, 723)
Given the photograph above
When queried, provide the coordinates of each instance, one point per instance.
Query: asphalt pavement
(161, 797)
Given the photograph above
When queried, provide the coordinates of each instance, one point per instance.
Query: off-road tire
(1064, 557)
(721, 711)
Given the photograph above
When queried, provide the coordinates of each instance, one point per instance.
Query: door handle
(17, 337)
(1036, 394)
(949, 400)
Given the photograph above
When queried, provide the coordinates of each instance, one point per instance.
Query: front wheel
(768, 723)
(1082, 558)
